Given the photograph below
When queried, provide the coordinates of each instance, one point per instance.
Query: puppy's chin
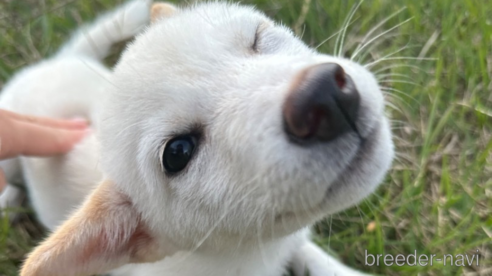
(359, 179)
(365, 172)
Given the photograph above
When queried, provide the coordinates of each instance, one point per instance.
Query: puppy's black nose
(322, 105)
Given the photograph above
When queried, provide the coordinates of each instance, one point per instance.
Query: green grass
(437, 199)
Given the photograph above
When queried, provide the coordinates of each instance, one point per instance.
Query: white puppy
(219, 138)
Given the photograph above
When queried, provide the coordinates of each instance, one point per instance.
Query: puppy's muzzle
(322, 104)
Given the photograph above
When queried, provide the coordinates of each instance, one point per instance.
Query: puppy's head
(222, 127)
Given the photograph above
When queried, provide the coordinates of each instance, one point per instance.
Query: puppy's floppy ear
(161, 10)
(105, 233)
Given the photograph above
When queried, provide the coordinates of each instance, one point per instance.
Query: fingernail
(80, 120)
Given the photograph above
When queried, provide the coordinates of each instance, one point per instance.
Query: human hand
(36, 136)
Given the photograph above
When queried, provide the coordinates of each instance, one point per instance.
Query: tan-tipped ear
(105, 233)
(161, 10)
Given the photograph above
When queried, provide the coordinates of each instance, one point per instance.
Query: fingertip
(38, 140)
(79, 135)
(79, 122)
(72, 138)
(87, 132)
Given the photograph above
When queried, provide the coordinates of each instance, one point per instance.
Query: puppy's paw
(311, 260)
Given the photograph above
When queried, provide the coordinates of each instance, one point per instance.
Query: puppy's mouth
(364, 152)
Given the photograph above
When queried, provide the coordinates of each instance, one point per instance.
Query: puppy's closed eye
(254, 47)
(256, 42)
(177, 153)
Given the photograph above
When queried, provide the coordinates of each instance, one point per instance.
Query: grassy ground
(438, 196)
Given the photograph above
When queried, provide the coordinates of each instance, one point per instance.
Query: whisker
(397, 127)
(327, 39)
(340, 50)
(399, 81)
(391, 89)
(398, 58)
(394, 122)
(337, 41)
(375, 44)
(264, 257)
(378, 36)
(401, 65)
(374, 29)
(394, 52)
(389, 96)
(296, 216)
(390, 54)
(341, 30)
(382, 76)
(221, 218)
(304, 205)
(272, 224)
(393, 106)
(400, 139)
(241, 238)
(332, 36)
(301, 36)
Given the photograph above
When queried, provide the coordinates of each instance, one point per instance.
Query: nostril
(340, 77)
(315, 117)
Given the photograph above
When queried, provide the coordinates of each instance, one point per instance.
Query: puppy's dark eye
(178, 152)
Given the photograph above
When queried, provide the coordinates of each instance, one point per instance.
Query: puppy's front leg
(311, 260)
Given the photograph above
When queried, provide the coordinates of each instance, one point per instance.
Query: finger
(3, 181)
(58, 123)
(36, 140)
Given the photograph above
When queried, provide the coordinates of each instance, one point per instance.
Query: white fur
(242, 204)
(68, 85)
